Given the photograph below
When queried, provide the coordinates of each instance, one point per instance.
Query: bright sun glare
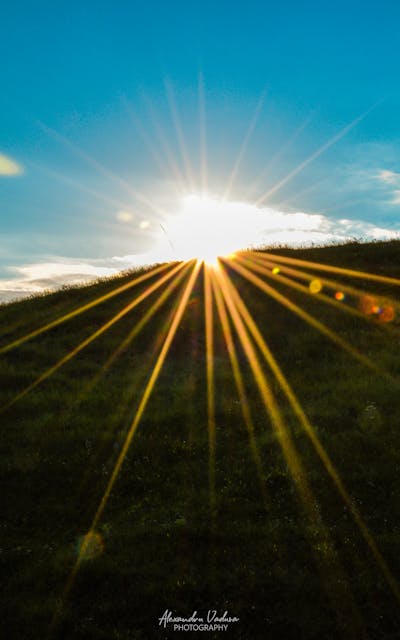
(207, 227)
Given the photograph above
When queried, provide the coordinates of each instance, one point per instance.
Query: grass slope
(263, 561)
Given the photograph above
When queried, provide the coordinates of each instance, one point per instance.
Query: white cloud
(9, 167)
(391, 181)
(319, 229)
(204, 225)
(244, 225)
(388, 177)
(61, 269)
(48, 276)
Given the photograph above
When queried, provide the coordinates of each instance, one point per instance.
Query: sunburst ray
(310, 431)
(267, 396)
(274, 159)
(337, 586)
(93, 336)
(203, 135)
(136, 329)
(321, 266)
(243, 148)
(129, 437)
(81, 186)
(208, 313)
(244, 402)
(86, 307)
(166, 168)
(100, 168)
(165, 146)
(179, 134)
(274, 270)
(313, 322)
(341, 134)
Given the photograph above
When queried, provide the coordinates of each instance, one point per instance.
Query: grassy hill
(259, 554)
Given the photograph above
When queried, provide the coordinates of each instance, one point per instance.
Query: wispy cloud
(391, 182)
(9, 167)
(388, 177)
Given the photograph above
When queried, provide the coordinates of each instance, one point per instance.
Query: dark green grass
(267, 564)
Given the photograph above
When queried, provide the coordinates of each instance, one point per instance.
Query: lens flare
(315, 286)
(368, 305)
(387, 313)
(90, 546)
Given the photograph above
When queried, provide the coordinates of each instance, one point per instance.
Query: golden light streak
(267, 396)
(268, 268)
(208, 316)
(314, 438)
(369, 539)
(258, 258)
(243, 148)
(262, 265)
(244, 403)
(337, 587)
(135, 331)
(145, 319)
(131, 432)
(84, 308)
(322, 328)
(93, 337)
(320, 266)
(313, 156)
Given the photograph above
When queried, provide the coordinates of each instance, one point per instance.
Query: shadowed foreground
(162, 541)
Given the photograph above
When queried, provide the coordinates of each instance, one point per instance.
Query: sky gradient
(103, 104)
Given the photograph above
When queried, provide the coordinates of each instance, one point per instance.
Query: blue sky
(87, 85)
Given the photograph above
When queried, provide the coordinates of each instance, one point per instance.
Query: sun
(207, 227)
